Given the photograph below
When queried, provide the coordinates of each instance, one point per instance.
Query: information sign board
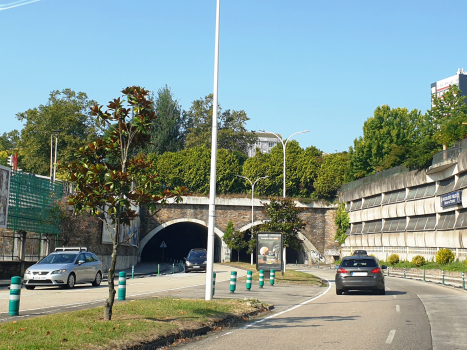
(269, 247)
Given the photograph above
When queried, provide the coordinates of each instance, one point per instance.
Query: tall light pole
(284, 146)
(53, 163)
(212, 184)
(252, 206)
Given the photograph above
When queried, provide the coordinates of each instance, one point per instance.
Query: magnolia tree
(110, 180)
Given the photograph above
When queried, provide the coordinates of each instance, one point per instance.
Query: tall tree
(331, 175)
(284, 217)
(342, 221)
(235, 240)
(109, 181)
(387, 139)
(232, 134)
(66, 114)
(168, 133)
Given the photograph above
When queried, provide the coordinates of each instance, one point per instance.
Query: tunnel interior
(179, 238)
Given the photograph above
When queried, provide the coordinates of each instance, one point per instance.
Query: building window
(461, 219)
(462, 181)
(372, 226)
(446, 221)
(356, 228)
(446, 186)
(421, 191)
(356, 205)
(394, 197)
(271, 144)
(422, 223)
(394, 225)
(372, 201)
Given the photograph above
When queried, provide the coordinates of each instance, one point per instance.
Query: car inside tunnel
(179, 239)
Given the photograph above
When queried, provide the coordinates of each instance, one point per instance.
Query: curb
(192, 333)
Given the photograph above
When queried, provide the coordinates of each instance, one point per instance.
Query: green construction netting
(30, 197)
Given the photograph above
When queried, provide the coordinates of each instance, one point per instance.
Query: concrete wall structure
(410, 212)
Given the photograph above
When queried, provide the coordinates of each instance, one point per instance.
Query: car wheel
(382, 291)
(339, 291)
(186, 271)
(30, 287)
(97, 281)
(71, 281)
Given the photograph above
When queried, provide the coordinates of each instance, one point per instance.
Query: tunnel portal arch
(146, 239)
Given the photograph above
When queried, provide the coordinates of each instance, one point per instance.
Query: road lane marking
(388, 288)
(394, 296)
(390, 336)
(398, 308)
(292, 308)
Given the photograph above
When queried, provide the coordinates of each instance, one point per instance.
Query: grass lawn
(290, 276)
(133, 322)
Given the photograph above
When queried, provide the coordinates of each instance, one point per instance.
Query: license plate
(196, 267)
(39, 277)
(359, 273)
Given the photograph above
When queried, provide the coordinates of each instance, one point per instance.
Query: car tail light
(341, 270)
(377, 270)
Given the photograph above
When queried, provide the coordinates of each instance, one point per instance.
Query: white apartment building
(264, 143)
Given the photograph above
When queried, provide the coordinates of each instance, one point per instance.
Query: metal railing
(452, 278)
(401, 169)
(446, 155)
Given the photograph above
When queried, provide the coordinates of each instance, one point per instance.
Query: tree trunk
(238, 255)
(109, 302)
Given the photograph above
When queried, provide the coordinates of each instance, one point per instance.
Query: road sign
(163, 245)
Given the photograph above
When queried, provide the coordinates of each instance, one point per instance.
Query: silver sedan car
(65, 267)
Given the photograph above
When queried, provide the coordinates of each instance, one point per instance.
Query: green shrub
(393, 259)
(418, 260)
(444, 256)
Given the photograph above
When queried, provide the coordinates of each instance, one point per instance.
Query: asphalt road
(412, 315)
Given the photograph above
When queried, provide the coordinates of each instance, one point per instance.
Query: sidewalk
(141, 269)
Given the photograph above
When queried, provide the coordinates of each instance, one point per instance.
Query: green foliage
(393, 259)
(387, 138)
(284, 217)
(444, 256)
(448, 113)
(235, 240)
(231, 135)
(109, 181)
(167, 134)
(66, 112)
(418, 260)
(331, 175)
(342, 221)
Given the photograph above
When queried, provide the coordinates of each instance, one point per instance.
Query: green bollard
(132, 271)
(443, 277)
(15, 292)
(404, 272)
(158, 269)
(272, 277)
(122, 285)
(249, 277)
(463, 280)
(233, 281)
(213, 283)
(261, 278)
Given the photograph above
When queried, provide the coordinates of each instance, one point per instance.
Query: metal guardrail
(446, 155)
(452, 278)
(375, 177)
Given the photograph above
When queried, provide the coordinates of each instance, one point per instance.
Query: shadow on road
(286, 322)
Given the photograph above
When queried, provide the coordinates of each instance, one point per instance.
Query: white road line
(390, 336)
(388, 288)
(394, 296)
(292, 308)
(398, 308)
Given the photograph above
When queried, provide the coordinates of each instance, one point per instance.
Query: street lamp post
(212, 183)
(53, 162)
(252, 203)
(284, 145)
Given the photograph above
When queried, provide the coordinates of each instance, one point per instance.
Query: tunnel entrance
(179, 238)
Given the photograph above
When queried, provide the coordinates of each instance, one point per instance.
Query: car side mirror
(80, 262)
(384, 267)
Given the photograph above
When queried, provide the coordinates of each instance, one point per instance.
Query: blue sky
(291, 65)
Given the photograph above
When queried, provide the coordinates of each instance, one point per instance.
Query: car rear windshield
(197, 255)
(359, 263)
(58, 259)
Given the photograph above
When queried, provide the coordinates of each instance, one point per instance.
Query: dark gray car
(360, 273)
(196, 260)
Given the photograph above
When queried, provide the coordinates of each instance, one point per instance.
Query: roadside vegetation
(136, 322)
(290, 276)
(444, 261)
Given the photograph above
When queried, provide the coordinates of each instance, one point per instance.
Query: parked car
(360, 273)
(65, 267)
(360, 253)
(196, 260)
